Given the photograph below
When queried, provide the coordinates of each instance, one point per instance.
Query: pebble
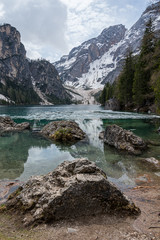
(72, 230)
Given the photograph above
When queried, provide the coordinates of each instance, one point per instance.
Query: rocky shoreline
(8, 125)
(145, 227)
(79, 191)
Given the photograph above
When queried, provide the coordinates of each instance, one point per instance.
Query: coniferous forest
(138, 85)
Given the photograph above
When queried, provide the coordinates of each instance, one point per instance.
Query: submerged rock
(73, 189)
(63, 131)
(124, 140)
(152, 162)
(8, 125)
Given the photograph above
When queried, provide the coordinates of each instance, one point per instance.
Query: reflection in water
(26, 154)
(43, 160)
(14, 149)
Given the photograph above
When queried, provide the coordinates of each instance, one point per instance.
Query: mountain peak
(112, 28)
(78, 65)
(153, 6)
(100, 60)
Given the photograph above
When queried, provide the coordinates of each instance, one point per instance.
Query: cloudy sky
(50, 28)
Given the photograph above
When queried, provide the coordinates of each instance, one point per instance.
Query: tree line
(138, 84)
(18, 94)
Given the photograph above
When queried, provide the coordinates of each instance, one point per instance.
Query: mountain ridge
(106, 66)
(25, 81)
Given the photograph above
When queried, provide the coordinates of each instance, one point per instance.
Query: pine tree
(155, 78)
(148, 41)
(141, 85)
(107, 93)
(125, 81)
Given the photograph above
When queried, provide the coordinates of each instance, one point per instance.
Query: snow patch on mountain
(6, 99)
(100, 60)
(97, 71)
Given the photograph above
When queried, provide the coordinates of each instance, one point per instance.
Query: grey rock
(124, 140)
(73, 189)
(112, 104)
(63, 131)
(152, 162)
(8, 125)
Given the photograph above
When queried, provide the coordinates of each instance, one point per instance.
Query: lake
(25, 154)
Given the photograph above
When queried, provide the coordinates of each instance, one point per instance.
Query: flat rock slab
(63, 131)
(124, 140)
(73, 189)
(8, 125)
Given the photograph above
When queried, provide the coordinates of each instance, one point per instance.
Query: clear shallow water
(25, 154)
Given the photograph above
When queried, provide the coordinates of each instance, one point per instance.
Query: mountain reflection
(25, 154)
(14, 152)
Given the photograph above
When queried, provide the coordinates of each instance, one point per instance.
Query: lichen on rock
(63, 131)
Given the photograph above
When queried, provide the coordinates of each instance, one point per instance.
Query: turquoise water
(28, 153)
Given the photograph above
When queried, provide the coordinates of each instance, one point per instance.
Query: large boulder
(73, 189)
(8, 125)
(124, 140)
(112, 104)
(63, 131)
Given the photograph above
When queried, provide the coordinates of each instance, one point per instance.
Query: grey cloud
(39, 21)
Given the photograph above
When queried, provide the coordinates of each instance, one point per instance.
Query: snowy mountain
(99, 60)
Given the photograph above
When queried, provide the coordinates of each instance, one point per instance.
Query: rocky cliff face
(25, 81)
(79, 68)
(45, 79)
(100, 59)
(13, 63)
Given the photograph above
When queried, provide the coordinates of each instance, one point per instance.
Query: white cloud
(40, 22)
(79, 5)
(2, 12)
(50, 28)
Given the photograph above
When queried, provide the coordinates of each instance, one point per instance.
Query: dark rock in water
(8, 125)
(112, 104)
(124, 140)
(63, 131)
(73, 189)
